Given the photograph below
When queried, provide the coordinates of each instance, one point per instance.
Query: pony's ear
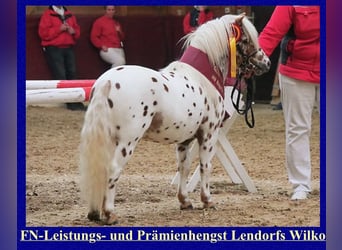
(238, 20)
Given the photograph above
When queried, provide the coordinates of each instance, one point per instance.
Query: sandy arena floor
(145, 196)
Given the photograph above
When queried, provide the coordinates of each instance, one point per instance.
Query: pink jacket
(302, 49)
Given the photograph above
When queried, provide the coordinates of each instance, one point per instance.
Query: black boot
(279, 106)
(75, 106)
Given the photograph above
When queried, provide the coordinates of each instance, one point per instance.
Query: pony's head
(251, 59)
(214, 38)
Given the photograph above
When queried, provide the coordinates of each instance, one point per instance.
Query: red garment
(203, 17)
(50, 32)
(303, 60)
(104, 33)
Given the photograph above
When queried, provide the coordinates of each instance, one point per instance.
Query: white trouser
(298, 99)
(113, 56)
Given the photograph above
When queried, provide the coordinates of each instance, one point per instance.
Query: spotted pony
(175, 105)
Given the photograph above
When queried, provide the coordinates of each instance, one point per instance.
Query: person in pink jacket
(297, 30)
(107, 35)
(197, 16)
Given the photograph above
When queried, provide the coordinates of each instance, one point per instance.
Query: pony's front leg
(183, 160)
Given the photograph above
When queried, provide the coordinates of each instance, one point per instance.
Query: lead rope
(249, 99)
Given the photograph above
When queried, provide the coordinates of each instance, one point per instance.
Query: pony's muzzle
(261, 63)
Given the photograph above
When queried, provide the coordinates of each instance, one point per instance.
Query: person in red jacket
(297, 30)
(59, 31)
(107, 35)
(197, 16)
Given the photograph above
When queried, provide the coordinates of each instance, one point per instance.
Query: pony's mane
(211, 38)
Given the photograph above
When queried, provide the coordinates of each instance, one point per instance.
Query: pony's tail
(95, 148)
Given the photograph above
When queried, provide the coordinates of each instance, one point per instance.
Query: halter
(246, 66)
(244, 69)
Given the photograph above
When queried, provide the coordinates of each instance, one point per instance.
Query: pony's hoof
(210, 205)
(94, 216)
(186, 206)
(111, 219)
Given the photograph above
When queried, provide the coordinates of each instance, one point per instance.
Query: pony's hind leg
(184, 162)
(108, 201)
(123, 153)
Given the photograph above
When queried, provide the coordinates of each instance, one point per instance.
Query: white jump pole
(58, 84)
(59, 95)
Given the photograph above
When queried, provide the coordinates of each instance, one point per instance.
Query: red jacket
(104, 33)
(203, 17)
(49, 29)
(303, 49)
